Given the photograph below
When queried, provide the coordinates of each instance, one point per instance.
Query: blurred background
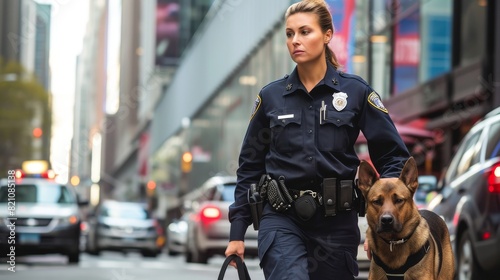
(143, 101)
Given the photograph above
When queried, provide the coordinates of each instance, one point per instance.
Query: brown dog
(405, 243)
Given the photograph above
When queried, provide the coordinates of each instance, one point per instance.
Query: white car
(47, 217)
(177, 236)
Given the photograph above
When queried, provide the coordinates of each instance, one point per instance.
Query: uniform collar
(331, 79)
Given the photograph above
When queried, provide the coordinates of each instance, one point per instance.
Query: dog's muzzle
(387, 223)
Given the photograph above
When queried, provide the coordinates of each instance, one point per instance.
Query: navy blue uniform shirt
(306, 137)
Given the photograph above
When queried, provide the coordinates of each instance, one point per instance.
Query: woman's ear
(328, 36)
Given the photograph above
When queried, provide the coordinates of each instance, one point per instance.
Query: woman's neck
(311, 74)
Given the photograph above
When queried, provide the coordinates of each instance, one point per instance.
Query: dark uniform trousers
(322, 248)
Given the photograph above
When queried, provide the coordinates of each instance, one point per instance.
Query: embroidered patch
(375, 101)
(256, 106)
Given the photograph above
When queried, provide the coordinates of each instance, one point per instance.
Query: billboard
(342, 43)
(167, 32)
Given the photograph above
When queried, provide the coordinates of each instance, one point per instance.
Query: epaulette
(352, 76)
(275, 82)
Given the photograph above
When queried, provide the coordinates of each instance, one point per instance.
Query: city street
(118, 266)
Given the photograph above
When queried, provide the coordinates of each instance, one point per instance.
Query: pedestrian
(299, 150)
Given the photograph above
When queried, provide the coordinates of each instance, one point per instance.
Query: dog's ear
(367, 176)
(409, 175)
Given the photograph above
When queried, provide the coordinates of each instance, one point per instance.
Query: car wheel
(92, 247)
(149, 254)
(173, 253)
(467, 267)
(74, 257)
(200, 257)
(195, 256)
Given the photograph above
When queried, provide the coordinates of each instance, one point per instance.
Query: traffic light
(186, 162)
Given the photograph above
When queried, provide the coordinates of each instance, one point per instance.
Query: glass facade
(402, 43)
(472, 31)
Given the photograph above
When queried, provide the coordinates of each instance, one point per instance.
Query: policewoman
(299, 150)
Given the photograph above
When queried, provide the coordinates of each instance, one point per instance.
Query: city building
(25, 127)
(89, 112)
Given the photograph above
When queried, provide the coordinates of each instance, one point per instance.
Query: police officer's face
(305, 39)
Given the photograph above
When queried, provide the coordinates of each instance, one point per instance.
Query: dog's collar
(396, 242)
(400, 241)
(412, 260)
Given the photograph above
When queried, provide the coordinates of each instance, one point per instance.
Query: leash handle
(240, 266)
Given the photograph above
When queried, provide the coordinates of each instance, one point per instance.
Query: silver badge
(339, 100)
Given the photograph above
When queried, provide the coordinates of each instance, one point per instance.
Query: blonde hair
(319, 8)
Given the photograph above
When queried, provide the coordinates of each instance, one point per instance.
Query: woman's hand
(235, 247)
(367, 250)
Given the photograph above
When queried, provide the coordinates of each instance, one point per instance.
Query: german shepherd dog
(405, 243)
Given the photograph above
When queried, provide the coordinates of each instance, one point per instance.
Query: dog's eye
(378, 202)
(398, 200)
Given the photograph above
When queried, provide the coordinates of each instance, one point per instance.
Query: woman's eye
(288, 35)
(305, 32)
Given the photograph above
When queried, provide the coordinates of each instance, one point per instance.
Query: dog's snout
(386, 219)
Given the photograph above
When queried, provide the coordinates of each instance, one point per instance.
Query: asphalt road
(118, 266)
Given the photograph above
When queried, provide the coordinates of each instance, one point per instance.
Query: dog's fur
(392, 215)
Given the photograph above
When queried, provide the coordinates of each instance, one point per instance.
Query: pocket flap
(285, 117)
(339, 118)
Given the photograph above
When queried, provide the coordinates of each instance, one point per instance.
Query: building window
(436, 39)
(472, 30)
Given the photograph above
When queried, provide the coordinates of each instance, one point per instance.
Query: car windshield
(39, 193)
(129, 212)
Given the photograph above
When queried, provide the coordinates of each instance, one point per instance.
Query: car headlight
(66, 221)
(3, 222)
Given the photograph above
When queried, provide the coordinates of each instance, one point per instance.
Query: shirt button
(310, 107)
(310, 158)
(310, 131)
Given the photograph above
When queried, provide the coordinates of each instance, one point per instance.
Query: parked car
(47, 217)
(469, 200)
(208, 223)
(177, 236)
(124, 226)
(427, 185)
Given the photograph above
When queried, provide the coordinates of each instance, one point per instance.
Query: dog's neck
(399, 241)
(395, 242)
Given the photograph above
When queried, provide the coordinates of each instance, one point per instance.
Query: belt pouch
(345, 195)
(255, 202)
(330, 196)
(305, 207)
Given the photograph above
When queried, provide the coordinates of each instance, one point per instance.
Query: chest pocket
(334, 131)
(286, 132)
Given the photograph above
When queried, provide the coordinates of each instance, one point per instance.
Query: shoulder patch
(256, 106)
(376, 102)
